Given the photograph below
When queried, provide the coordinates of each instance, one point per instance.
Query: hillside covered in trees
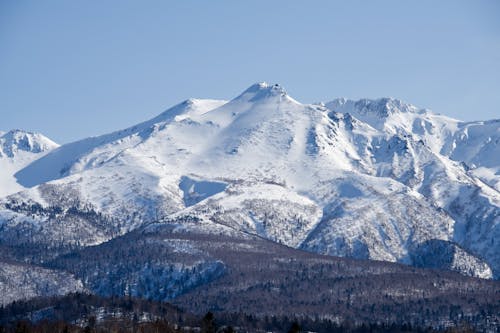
(85, 313)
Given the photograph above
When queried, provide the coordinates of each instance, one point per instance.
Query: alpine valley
(238, 205)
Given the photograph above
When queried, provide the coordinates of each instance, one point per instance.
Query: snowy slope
(95, 151)
(367, 179)
(18, 149)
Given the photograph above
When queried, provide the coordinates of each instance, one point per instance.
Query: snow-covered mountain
(18, 149)
(366, 179)
(476, 144)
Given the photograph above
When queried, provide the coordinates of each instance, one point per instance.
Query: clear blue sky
(72, 69)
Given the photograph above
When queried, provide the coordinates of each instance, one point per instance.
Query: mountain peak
(257, 86)
(262, 90)
(18, 140)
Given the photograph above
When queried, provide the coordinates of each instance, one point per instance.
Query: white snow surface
(17, 150)
(367, 179)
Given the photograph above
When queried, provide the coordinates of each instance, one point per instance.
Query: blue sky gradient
(72, 69)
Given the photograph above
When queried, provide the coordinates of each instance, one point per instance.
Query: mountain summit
(262, 90)
(15, 141)
(17, 149)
